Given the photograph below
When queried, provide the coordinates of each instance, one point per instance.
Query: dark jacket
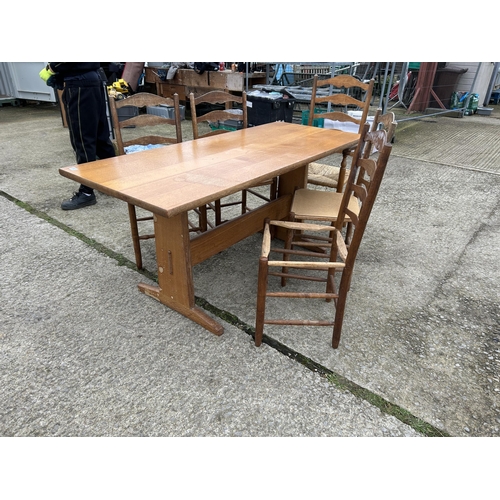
(71, 69)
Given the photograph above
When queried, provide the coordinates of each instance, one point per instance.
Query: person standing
(85, 104)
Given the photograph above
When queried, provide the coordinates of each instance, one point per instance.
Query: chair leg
(330, 283)
(261, 300)
(203, 222)
(218, 213)
(244, 202)
(288, 245)
(342, 171)
(273, 189)
(135, 235)
(340, 308)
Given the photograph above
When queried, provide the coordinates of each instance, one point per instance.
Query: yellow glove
(46, 73)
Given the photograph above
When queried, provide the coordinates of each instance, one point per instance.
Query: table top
(181, 177)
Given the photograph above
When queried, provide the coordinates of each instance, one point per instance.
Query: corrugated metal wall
(480, 72)
(7, 88)
(20, 80)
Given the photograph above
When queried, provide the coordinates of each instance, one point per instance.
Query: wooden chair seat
(320, 205)
(321, 174)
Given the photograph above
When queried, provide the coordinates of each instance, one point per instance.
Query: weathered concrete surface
(84, 353)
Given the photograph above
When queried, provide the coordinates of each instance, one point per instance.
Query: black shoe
(79, 200)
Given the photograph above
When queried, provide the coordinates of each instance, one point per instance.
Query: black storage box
(126, 112)
(227, 125)
(266, 110)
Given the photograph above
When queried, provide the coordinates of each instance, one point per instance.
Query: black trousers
(85, 106)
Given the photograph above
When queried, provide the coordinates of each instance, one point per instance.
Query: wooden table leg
(175, 276)
(295, 179)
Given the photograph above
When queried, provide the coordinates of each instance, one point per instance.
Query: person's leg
(82, 111)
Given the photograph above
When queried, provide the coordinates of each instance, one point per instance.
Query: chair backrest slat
(217, 115)
(142, 100)
(360, 189)
(342, 86)
(385, 122)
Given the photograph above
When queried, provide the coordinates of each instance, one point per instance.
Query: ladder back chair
(338, 102)
(217, 116)
(325, 204)
(172, 134)
(363, 184)
(321, 174)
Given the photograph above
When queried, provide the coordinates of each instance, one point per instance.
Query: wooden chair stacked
(315, 214)
(338, 103)
(216, 117)
(172, 134)
(326, 204)
(385, 122)
(320, 174)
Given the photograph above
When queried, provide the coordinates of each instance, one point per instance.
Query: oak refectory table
(172, 180)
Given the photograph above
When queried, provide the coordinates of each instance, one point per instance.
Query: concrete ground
(84, 353)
